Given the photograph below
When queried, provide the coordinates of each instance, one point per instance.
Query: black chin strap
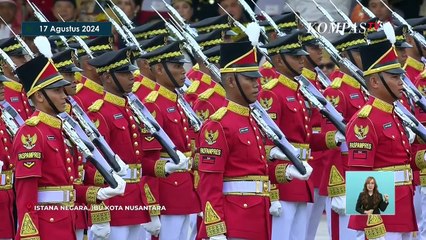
(241, 90)
(288, 66)
(309, 58)
(50, 102)
(351, 57)
(419, 48)
(169, 74)
(387, 87)
(117, 83)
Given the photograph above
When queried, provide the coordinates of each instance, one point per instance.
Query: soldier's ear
(374, 81)
(37, 97)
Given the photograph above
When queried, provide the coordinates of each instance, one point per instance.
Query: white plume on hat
(389, 31)
(253, 33)
(43, 45)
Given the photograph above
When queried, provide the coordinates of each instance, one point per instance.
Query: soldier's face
(295, 62)
(58, 97)
(65, 9)
(70, 89)
(7, 11)
(178, 72)
(394, 82)
(250, 87)
(126, 80)
(184, 10)
(315, 53)
(402, 55)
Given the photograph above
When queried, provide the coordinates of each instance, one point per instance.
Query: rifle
(324, 80)
(176, 16)
(419, 37)
(144, 116)
(319, 101)
(39, 15)
(343, 15)
(11, 118)
(270, 20)
(413, 93)
(366, 10)
(121, 15)
(252, 16)
(85, 146)
(19, 39)
(81, 42)
(323, 11)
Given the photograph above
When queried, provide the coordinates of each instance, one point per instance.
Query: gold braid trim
(330, 139)
(420, 159)
(274, 194)
(100, 216)
(160, 170)
(98, 179)
(423, 177)
(216, 229)
(338, 190)
(345, 45)
(212, 27)
(31, 238)
(100, 47)
(268, 150)
(112, 66)
(280, 173)
(284, 47)
(281, 26)
(149, 196)
(63, 64)
(150, 33)
(214, 59)
(196, 178)
(165, 56)
(211, 42)
(375, 227)
(11, 48)
(154, 210)
(91, 195)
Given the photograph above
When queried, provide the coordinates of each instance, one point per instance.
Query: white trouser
(79, 233)
(132, 232)
(420, 210)
(315, 211)
(344, 231)
(291, 225)
(175, 227)
(193, 226)
(389, 236)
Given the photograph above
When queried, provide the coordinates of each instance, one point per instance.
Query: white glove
(200, 214)
(411, 135)
(218, 237)
(101, 231)
(291, 172)
(275, 209)
(123, 166)
(339, 137)
(1, 165)
(108, 192)
(276, 153)
(182, 165)
(154, 226)
(423, 190)
(338, 204)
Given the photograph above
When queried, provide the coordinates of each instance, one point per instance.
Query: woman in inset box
(370, 201)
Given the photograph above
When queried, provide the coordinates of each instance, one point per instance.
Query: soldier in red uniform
(117, 124)
(14, 92)
(282, 99)
(91, 88)
(7, 196)
(176, 182)
(377, 142)
(414, 65)
(64, 62)
(234, 171)
(44, 166)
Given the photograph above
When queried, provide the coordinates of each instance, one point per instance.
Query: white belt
(3, 179)
(131, 174)
(246, 187)
(304, 154)
(402, 176)
(56, 196)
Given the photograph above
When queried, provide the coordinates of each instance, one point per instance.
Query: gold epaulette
(271, 84)
(79, 87)
(219, 114)
(423, 74)
(196, 67)
(194, 86)
(32, 121)
(96, 105)
(206, 94)
(267, 65)
(136, 73)
(337, 82)
(152, 96)
(136, 86)
(78, 76)
(365, 111)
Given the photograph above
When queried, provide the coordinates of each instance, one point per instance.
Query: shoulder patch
(79, 87)
(96, 105)
(365, 111)
(271, 84)
(219, 114)
(32, 121)
(136, 86)
(152, 96)
(337, 82)
(194, 86)
(206, 94)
